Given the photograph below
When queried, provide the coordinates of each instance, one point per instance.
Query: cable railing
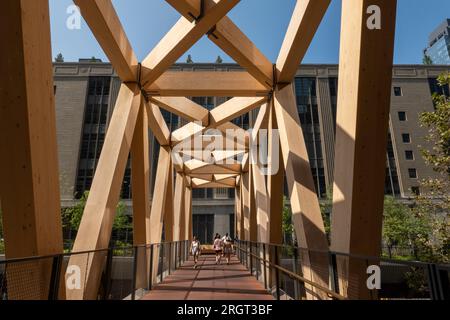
(294, 273)
(128, 273)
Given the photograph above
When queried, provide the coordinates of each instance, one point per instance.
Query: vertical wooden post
(188, 214)
(140, 179)
(245, 180)
(238, 212)
(169, 209)
(365, 78)
(275, 189)
(158, 203)
(29, 180)
(178, 201)
(253, 224)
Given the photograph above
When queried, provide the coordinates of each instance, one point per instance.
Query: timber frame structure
(29, 176)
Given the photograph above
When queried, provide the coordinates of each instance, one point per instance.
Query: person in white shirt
(227, 247)
(217, 247)
(195, 250)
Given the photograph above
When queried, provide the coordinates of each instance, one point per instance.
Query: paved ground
(210, 282)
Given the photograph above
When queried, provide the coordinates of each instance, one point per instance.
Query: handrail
(350, 255)
(31, 258)
(296, 276)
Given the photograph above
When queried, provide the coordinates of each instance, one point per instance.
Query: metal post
(333, 273)
(151, 267)
(296, 282)
(265, 266)
(258, 264)
(135, 263)
(55, 277)
(251, 258)
(162, 262)
(277, 273)
(108, 271)
(170, 256)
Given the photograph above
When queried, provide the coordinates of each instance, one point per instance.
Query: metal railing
(127, 272)
(296, 273)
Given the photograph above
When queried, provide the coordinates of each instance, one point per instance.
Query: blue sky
(264, 21)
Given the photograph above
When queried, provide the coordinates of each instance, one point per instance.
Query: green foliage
(427, 60)
(401, 227)
(72, 216)
(59, 58)
(435, 206)
(326, 205)
(219, 60)
(438, 124)
(189, 59)
(287, 226)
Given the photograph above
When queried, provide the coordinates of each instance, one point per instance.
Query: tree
(427, 60)
(59, 58)
(326, 205)
(435, 205)
(189, 59)
(401, 227)
(219, 60)
(72, 216)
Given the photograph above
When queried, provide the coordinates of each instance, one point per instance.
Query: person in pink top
(218, 247)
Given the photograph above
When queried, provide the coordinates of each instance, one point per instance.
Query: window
(409, 155)
(398, 91)
(415, 190)
(406, 138)
(402, 116)
(412, 173)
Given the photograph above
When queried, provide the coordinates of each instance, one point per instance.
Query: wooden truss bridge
(29, 179)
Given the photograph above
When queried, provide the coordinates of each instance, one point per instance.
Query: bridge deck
(210, 282)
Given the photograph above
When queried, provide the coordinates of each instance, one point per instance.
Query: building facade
(439, 44)
(86, 93)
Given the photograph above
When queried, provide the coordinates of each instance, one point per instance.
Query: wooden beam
(188, 213)
(233, 42)
(227, 156)
(159, 202)
(181, 37)
(29, 179)
(140, 180)
(102, 19)
(212, 185)
(183, 107)
(245, 187)
(234, 108)
(178, 201)
(306, 214)
(221, 177)
(190, 9)
(365, 78)
(305, 21)
(199, 167)
(275, 180)
(169, 207)
(206, 83)
(97, 221)
(237, 45)
(190, 130)
(157, 124)
(260, 123)
(239, 223)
